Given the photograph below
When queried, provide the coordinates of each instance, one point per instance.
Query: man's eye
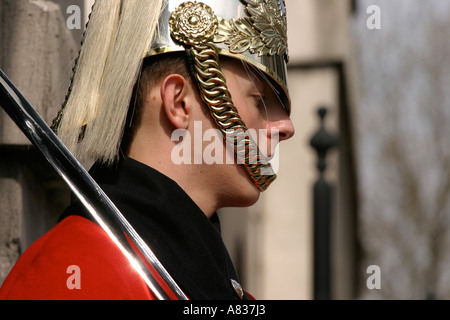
(260, 102)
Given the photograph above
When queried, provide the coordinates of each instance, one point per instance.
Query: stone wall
(37, 53)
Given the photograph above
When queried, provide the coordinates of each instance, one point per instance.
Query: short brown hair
(154, 69)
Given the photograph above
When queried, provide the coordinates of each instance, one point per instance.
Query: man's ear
(174, 93)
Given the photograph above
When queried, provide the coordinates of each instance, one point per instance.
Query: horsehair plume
(119, 34)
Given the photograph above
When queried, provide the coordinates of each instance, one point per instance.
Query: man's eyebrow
(262, 78)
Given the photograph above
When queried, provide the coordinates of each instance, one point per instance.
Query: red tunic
(43, 270)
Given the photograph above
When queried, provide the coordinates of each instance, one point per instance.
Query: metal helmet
(254, 31)
(251, 30)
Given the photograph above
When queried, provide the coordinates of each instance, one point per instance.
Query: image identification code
(238, 309)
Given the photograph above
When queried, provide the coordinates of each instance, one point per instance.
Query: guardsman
(164, 101)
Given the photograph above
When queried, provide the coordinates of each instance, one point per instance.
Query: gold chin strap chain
(215, 94)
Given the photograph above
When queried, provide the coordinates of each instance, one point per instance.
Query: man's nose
(287, 129)
(284, 128)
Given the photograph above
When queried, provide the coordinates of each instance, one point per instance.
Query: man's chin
(249, 198)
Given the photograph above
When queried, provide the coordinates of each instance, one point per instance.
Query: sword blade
(102, 209)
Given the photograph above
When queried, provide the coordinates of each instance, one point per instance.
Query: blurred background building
(377, 66)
